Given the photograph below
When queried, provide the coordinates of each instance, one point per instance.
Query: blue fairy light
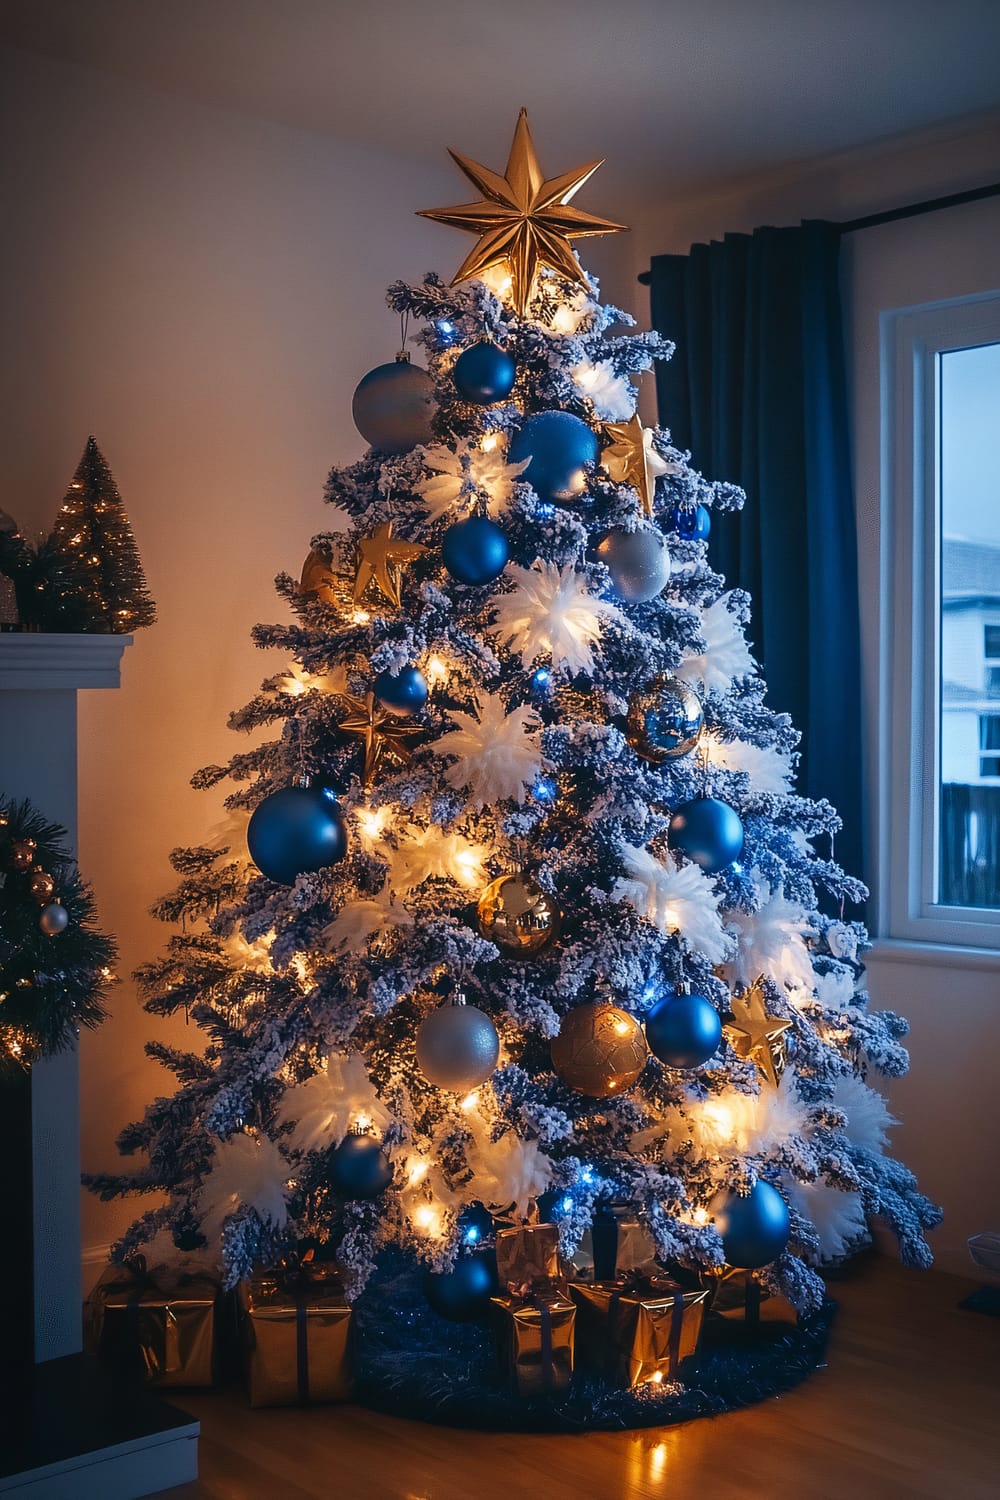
(541, 679)
(471, 1235)
(587, 1175)
(544, 510)
(567, 1205)
(544, 790)
(446, 331)
(649, 990)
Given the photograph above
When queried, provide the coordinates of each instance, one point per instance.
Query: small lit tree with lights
(534, 918)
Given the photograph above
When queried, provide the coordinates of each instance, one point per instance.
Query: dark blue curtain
(757, 392)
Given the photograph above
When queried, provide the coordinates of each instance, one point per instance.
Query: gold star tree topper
(755, 1035)
(381, 560)
(381, 733)
(630, 458)
(524, 220)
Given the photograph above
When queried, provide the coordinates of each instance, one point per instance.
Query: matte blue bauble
(404, 692)
(474, 551)
(296, 830)
(683, 1031)
(558, 446)
(754, 1229)
(359, 1167)
(484, 373)
(708, 831)
(692, 522)
(393, 407)
(463, 1294)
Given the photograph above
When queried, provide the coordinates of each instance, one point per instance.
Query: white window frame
(912, 339)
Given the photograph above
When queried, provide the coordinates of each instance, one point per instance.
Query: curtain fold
(757, 391)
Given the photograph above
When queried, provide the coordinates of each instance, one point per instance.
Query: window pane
(969, 829)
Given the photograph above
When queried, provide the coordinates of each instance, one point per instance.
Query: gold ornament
(600, 1050)
(755, 1035)
(22, 854)
(630, 458)
(381, 560)
(42, 885)
(382, 734)
(516, 914)
(318, 578)
(523, 220)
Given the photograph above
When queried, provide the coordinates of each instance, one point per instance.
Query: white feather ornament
(769, 768)
(742, 1123)
(325, 1106)
(675, 898)
(839, 1217)
(497, 755)
(612, 395)
(426, 853)
(248, 1171)
(770, 942)
(868, 1117)
(726, 655)
(550, 612)
(369, 917)
(508, 1173)
(167, 1265)
(465, 472)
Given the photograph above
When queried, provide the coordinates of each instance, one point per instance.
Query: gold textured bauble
(516, 914)
(600, 1050)
(22, 854)
(42, 885)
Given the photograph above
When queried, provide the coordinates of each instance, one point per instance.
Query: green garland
(55, 969)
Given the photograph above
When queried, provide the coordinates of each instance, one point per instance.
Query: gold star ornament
(755, 1035)
(382, 734)
(630, 458)
(381, 560)
(524, 221)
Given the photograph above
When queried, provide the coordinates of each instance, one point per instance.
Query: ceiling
(683, 93)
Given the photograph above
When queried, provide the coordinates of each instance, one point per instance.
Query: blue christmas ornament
(683, 1031)
(359, 1167)
(754, 1229)
(692, 522)
(393, 406)
(474, 551)
(403, 692)
(463, 1294)
(708, 831)
(559, 446)
(296, 830)
(484, 373)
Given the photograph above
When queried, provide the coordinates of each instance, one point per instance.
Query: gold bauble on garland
(600, 1050)
(516, 914)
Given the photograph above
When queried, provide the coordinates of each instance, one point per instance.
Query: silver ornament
(638, 561)
(53, 919)
(457, 1046)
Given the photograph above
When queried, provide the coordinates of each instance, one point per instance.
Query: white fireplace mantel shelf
(45, 663)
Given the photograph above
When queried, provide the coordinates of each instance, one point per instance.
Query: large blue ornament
(475, 551)
(359, 1167)
(403, 692)
(708, 831)
(296, 830)
(558, 445)
(484, 373)
(683, 1031)
(754, 1229)
(463, 1294)
(692, 522)
(393, 406)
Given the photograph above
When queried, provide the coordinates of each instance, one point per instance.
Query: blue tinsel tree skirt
(413, 1363)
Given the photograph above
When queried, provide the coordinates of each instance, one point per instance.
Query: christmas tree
(536, 923)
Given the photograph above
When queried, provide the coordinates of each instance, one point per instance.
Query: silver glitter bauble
(638, 561)
(664, 720)
(53, 919)
(457, 1046)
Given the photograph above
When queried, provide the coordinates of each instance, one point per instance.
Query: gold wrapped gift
(535, 1341)
(296, 1338)
(739, 1297)
(528, 1255)
(637, 1333)
(165, 1333)
(619, 1245)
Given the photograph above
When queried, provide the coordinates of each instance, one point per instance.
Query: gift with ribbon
(528, 1255)
(637, 1332)
(296, 1335)
(535, 1339)
(619, 1244)
(738, 1298)
(161, 1324)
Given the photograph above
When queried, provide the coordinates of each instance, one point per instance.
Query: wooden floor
(908, 1406)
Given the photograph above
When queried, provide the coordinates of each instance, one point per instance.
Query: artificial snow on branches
(248, 1171)
(726, 655)
(675, 898)
(428, 853)
(771, 941)
(474, 468)
(365, 918)
(551, 612)
(497, 754)
(325, 1106)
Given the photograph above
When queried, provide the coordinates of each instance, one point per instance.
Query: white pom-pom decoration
(509, 1173)
(675, 898)
(463, 473)
(425, 853)
(771, 942)
(248, 1171)
(497, 754)
(550, 612)
(368, 917)
(613, 396)
(325, 1106)
(726, 655)
(868, 1117)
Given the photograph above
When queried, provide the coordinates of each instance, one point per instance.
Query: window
(940, 731)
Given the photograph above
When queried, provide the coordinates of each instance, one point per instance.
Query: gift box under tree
(296, 1337)
(159, 1324)
(535, 1320)
(637, 1332)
